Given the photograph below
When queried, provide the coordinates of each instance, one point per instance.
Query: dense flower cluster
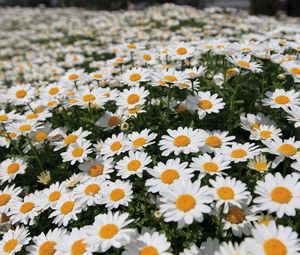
(165, 131)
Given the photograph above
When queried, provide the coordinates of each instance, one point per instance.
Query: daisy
(282, 99)
(140, 140)
(206, 164)
(183, 140)
(74, 243)
(239, 220)
(54, 90)
(264, 132)
(73, 76)
(7, 117)
(259, 163)
(229, 191)
(169, 77)
(149, 243)
(135, 76)
(271, 239)
(147, 57)
(51, 195)
(232, 248)
(250, 121)
(8, 196)
(283, 148)
(71, 138)
(181, 51)
(135, 96)
(77, 152)
(10, 168)
(21, 94)
(117, 193)
(292, 68)
(111, 120)
(240, 152)
(23, 127)
(244, 62)
(185, 202)
(204, 103)
(164, 174)
(45, 243)
(278, 194)
(25, 211)
(134, 164)
(214, 140)
(66, 209)
(194, 73)
(90, 191)
(13, 240)
(90, 98)
(109, 230)
(115, 145)
(97, 167)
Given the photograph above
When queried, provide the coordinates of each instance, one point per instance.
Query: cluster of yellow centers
(21, 93)
(117, 194)
(10, 245)
(274, 246)
(133, 99)
(238, 153)
(181, 51)
(210, 167)
(77, 152)
(135, 77)
(205, 104)
(47, 248)
(26, 207)
(281, 100)
(213, 141)
(287, 150)
(148, 250)
(13, 168)
(67, 207)
(78, 247)
(4, 199)
(139, 142)
(92, 189)
(115, 146)
(96, 170)
(182, 141)
(168, 176)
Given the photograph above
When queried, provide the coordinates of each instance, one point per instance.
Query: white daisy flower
(77, 152)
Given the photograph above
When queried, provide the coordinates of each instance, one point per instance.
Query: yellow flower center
(3, 117)
(78, 247)
(115, 146)
(77, 152)
(287, 150)
(134, 165)
(246, 49)
(21, 93)
(52, 103)
(135, 77)
(243, 63)
(185, 203)
(255, 125)
(117, 194)
(96, 170)
(169, 176)
(181, 51)
(12, 168)
(235, 215)
(108, 231)
(25, 128)
(205, 104)
(67, 207)
(114, 121)
(73, 77)
(238, 153)
(10, 245)
(92, 189)
(282, 100)
(32, 116)
(182, 141)
(54, 196)
(225, 193)
(210, 167)
(70, 139)
(26, 207)
(148, 250)
(47, 248)
(147, 57)
(295, 71)
(88, 98)
(139, 142)
(133, 98)
(40, 136)
(213, 141)
(261, 166)
(274, 246)
(281, 195)
(265, 134)
(131, 46)
(170, 78)
(97, 76)
(53, 91)
(4, 199)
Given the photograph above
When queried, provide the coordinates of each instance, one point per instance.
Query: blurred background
(266, 7)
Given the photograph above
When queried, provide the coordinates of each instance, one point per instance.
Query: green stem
(35, 152)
